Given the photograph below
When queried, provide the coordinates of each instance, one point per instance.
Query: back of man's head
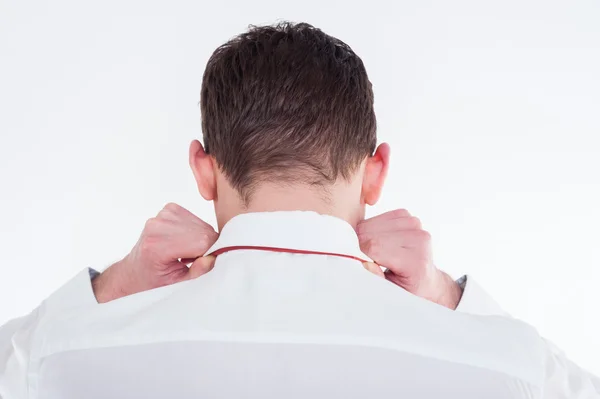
(286, 103)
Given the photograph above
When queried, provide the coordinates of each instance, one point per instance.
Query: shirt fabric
(309, 322)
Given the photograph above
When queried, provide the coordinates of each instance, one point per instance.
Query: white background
(492, 110)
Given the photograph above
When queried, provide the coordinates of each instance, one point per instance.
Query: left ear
(376, 170)
(204, 171)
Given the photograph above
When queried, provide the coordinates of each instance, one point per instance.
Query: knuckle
(400, 213)
(416, 222)
(151, 224)
(206, 237)
(399, 223)
(172, 207)
(372, 246)
(425, 235)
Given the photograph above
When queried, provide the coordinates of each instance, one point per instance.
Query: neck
(271, 198)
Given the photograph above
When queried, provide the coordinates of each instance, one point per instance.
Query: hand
(397, 241)
(169, 242)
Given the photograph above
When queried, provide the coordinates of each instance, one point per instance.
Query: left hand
(169, 241)
(397, 241)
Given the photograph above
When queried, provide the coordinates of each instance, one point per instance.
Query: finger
(396, 278)
(170, 211)
(186, 239)
(396, 213)
(184, 214)
(177, 213)
(374, 268)
(201, 266)
(390, 243)
(390, 225)
(377, 248)
(384, 248)
(190, 245)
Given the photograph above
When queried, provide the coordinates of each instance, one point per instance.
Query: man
(288, 309)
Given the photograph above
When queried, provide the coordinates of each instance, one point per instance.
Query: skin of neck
(346, 198)
(341, 199)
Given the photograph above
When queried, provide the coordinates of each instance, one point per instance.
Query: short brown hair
(286, 103)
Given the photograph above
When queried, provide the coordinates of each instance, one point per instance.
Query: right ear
(203, 168)
(376, 170)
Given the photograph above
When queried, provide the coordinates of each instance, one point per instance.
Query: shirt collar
(290, 231)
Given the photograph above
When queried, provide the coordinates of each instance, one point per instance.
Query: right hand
(397, 241)
(169, 242)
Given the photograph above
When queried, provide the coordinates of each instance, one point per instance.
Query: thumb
(374, 268)
(201, 266)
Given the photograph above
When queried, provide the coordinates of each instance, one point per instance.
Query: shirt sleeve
(565, 380)
(476, 301)
(18, 335)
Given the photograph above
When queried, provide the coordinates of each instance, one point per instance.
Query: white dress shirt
(287, 312)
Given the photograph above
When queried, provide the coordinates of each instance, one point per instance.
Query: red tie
(286, 250)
